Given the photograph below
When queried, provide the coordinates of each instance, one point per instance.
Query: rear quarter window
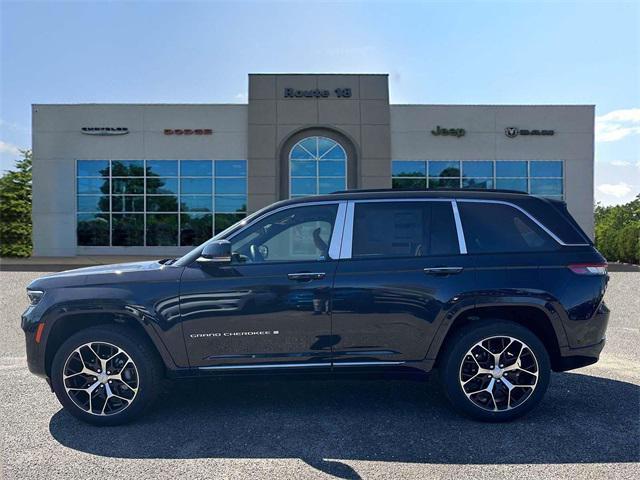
(498, 228)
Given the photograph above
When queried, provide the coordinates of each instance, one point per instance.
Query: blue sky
(445, 52)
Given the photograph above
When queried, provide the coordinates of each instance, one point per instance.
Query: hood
(120, 272)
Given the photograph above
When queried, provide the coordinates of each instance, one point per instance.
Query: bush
(15, 209)
(618, 231)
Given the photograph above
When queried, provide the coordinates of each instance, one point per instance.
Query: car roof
(505, 195)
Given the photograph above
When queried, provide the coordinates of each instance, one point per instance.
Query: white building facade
(156, 179)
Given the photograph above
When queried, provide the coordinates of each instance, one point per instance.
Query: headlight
(35, 296)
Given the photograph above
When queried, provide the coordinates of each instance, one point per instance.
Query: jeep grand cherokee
(493, 289)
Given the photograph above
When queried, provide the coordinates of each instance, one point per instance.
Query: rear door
(401, 271)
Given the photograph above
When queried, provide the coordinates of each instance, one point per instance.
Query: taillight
(588, 268)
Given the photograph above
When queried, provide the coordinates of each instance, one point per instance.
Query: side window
(403, 229)
(497, 228)
(294, 234)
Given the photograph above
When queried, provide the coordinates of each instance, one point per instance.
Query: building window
(157, 202)
(317, 165)
(537, 177)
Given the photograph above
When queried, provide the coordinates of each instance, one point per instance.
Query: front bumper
(35, 351)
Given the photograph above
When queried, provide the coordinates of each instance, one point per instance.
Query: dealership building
(157, 179)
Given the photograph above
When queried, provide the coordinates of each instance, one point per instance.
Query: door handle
(306, 276)
(442, 270)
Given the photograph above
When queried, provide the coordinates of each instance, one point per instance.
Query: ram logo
(511, 132)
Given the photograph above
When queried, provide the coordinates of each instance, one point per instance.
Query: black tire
(149, 373)
(453, 372)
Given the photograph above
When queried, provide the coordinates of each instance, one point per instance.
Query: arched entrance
(315, 162)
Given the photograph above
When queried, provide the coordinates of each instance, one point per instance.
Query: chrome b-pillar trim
(462, 244)
(338, 228)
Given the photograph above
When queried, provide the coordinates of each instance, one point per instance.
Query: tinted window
(497, 228)
(294, 234)
(403, 229)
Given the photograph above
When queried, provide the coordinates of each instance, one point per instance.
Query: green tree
(617, 231)
(15, 209)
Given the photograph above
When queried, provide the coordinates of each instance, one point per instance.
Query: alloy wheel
(100, 378)
(499, 373)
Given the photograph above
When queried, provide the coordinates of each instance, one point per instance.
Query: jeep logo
(452, 132)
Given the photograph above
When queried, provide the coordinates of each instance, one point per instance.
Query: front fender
(157, 313)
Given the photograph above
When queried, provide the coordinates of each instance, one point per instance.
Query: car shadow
(583, 419)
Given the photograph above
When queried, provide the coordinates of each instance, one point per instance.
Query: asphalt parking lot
(588, 426)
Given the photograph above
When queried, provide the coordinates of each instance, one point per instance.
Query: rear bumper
(594, 329)
(571, 358)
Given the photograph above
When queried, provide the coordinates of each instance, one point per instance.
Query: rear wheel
(106, 375)
(495, 371)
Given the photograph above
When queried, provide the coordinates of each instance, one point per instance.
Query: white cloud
(618, 190)
(7, 148)
(618, 124)
(241, 96)
(621, 163)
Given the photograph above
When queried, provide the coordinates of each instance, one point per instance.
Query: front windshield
(193, 255)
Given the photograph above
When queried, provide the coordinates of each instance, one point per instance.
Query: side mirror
(216, 252)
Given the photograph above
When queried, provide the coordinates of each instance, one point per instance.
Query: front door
(401, 272)
(271, 306)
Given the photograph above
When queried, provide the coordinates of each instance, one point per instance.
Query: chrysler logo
(513, 132)
(103, 131)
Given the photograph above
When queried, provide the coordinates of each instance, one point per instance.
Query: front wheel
(106, 375)
(495, 370)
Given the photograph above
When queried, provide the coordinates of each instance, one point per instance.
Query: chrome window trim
(531, 217)
(347, 239)
(462, 244)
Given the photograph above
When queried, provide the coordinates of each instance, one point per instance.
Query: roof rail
(399, 190)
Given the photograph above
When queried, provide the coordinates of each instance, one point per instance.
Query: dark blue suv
(493, 289)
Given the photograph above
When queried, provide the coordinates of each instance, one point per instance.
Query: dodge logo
(188, 131)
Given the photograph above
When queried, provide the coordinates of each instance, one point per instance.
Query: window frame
(336, 235)
(340, 247)
(179, 211)
(347, 241)
(494, 178)
(317, 159)
(542, 226)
